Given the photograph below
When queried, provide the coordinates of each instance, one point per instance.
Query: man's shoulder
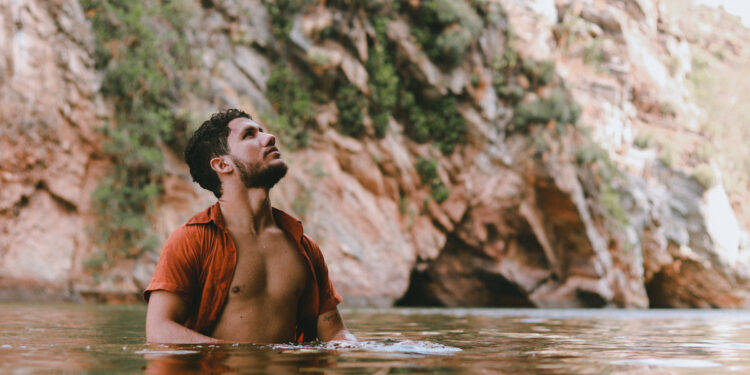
(308, 243)
(191, 234)
(204, 217)
(312, 249)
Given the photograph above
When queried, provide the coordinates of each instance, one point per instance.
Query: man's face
(254, 153)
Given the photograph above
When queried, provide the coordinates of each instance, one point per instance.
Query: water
(109, 339)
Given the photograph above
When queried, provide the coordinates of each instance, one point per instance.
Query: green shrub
(645, 140)
(282, 13)
(291, 98)
(510, 92)
(302, 202)
(540, 73)
(437, 120)
(380, 123)
(369, 6)
(351, 104)
(594, 55)
(446, 29)
(427, 170)
(384, 80)
(318, 57)
(610, 200)
(591, 152)
(705, 152)
(668, 108)
(558, 107)
(508, 60)
(669, 155)
(141, 49)
(491, 11)
(705, 176)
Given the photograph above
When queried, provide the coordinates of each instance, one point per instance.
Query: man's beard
(257, 176)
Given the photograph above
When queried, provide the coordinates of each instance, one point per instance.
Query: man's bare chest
(268, 268)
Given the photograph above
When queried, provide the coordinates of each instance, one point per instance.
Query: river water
(79, 338)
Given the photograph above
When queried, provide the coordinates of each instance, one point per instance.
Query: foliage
(669, 155)
(302, 202)
(281, 13)
(667, 108)
(510, 92)
(590, 152)
(610, 200)
(437, 120)
(142, 51)
(384, 80)
(369, 6)
(705, 152)
(446, 29)
(540, 73)
(645, 140)
(594, 54)
(509, 66)
(291, 99)
(491, 11)
(559, 107)
(596, 159)
(351, 104)
(705, 176)
(427, 170)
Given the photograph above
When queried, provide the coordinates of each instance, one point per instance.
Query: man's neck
(248, 212)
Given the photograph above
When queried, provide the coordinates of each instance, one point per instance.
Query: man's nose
(270, 140)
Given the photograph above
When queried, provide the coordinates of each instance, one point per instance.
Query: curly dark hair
(208, 142)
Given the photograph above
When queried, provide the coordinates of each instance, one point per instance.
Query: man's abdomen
(258, 321)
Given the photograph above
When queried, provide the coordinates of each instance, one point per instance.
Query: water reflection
(105, 339)
(223, 359)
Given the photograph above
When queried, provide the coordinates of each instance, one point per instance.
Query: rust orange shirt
(198, 262)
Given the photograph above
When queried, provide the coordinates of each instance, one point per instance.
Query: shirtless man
(240, 271)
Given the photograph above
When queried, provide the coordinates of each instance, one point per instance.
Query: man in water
(240, 271)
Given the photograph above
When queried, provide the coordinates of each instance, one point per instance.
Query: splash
(388, 346)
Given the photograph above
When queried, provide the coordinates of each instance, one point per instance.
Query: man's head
(232, 145)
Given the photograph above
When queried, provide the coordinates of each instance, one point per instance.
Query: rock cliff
(571, 169)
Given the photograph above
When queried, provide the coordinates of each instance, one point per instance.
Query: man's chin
(271, 175)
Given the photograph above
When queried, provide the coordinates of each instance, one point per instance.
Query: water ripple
(669, 362)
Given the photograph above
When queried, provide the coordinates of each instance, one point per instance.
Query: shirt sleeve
(328, 298)
(176, 270)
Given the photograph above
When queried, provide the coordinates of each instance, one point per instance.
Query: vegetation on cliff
(142, 52)
(291, 98)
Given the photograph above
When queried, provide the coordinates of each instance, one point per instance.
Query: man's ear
(221, 165)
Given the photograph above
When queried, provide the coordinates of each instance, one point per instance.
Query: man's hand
(331, 327)
(165, 313)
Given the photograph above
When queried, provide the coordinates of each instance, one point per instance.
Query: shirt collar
(287, 222)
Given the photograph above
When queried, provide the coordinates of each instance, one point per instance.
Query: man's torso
(270, 277)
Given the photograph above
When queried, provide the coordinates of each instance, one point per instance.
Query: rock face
(48, 146)
(530, 220)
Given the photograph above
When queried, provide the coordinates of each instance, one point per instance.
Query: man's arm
(165, 311)
(331, 327)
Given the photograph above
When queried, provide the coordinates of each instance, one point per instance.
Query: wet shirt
(198, 263)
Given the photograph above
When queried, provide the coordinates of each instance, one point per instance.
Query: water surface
(109, 339)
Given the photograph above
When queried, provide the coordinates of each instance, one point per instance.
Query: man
(240, 271)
